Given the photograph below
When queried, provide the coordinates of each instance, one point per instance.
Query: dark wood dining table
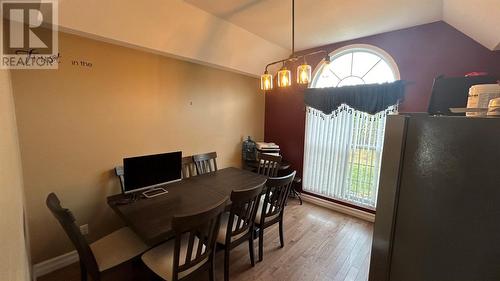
(151, 218)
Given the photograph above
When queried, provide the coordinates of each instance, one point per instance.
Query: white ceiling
(479, 19)
(172, 28)
(321, 22)
(244, 35)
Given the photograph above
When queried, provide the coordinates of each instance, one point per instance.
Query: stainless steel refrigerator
(438, 208)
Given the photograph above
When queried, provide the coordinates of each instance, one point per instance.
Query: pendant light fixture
(304, 73)
(284, 76)
(266, 81)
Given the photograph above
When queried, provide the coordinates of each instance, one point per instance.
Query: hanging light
(284, 77)
(304, 73)
(266, 81)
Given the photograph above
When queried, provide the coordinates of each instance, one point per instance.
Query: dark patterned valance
(370, 98)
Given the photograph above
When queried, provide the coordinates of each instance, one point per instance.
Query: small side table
(295, 192)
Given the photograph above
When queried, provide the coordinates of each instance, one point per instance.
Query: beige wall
(13, 258)
(76, 123)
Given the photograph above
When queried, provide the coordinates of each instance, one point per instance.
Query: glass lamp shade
(266, 82)
(304, 74)
(284, 78)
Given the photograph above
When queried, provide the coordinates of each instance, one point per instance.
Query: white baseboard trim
(339, 208)
(54, 264)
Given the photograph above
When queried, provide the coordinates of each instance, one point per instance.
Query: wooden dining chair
(106, 253)
(188, 167)
(237, 225)
(205, 163)
(272, 207)
(268, 165)
(193, 249)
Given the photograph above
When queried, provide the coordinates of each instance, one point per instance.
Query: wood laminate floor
(320, 244)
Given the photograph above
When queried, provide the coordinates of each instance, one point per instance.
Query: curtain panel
(371, 98)
(343, 153)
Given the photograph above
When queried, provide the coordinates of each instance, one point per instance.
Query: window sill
(339, 207)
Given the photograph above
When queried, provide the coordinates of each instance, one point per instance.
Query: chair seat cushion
(161, 258)
(259, 212)
(116, 248)
(221, 237)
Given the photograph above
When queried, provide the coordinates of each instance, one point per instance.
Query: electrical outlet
(84, 229)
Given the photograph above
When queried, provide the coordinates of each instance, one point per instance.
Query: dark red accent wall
(421, 53)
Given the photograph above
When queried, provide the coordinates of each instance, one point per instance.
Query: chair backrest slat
(190, 247)
(188, 167)
(244, 204)
(205, 163)
(268, 165)
(276, 194)
(202, 241)
(67, 221)
(200, 228)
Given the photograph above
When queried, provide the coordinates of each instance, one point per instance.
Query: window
(354, 66)
(342, 153)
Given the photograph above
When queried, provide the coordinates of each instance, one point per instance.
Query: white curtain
(342, 154)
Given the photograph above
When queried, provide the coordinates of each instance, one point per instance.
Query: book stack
(268, 148)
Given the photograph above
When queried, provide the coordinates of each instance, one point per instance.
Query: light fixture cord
(293, 28)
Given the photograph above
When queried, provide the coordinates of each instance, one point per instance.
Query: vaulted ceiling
(479, 19)
(244, 35)
(321, 22)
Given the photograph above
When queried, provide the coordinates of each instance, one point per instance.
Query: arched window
(354, 65)
(343, 150)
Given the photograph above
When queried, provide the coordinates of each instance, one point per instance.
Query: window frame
(353, 48)
(389, 60)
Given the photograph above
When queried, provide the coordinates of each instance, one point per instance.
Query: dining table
(151, 218)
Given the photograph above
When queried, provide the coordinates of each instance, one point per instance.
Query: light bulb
(266, 81)
(284, 78)
(304, 74)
